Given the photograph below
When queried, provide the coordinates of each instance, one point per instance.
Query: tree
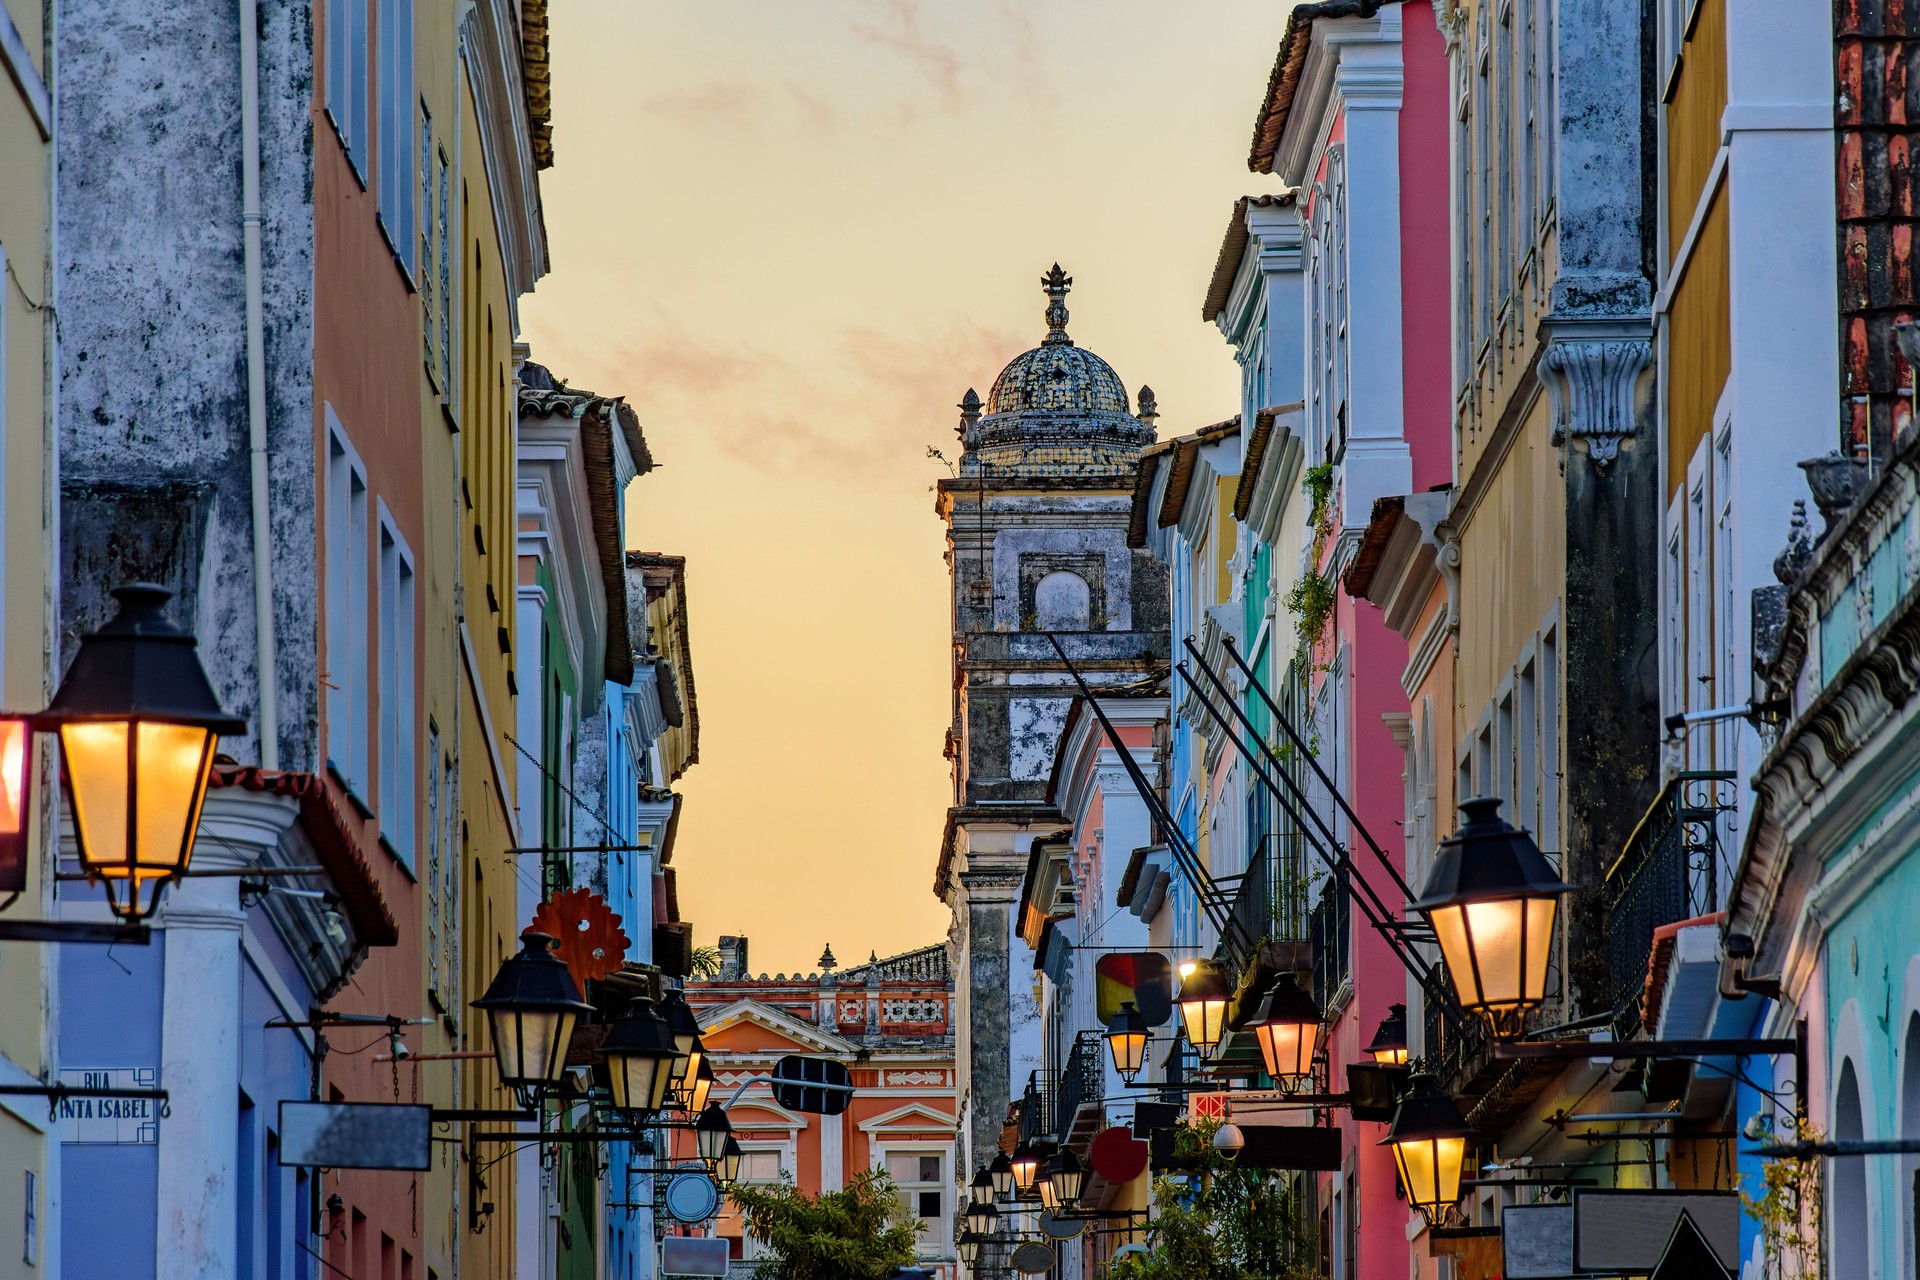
(1222, 1222)
(858, 1233)
(706, 962)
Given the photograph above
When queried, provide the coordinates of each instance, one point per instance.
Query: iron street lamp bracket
(1587, 1050)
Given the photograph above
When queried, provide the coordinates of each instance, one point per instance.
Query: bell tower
(1037, 517)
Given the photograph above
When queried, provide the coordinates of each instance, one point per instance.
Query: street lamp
(1491, 900)
(1026, 1167)
(982, 1219)
(640, 1058)
(711, 1132)
(1127, 1037)
(138, 722)
(1429, 1141)
(694, 1093)
(1043, 1190)
(1067, 1176)
(532, 1006)
(1389, 1044)
(727, 1171)
(1287, 1029)
(969, 1245)
(688, 1051)
(981, 1188)
(1203, 998)
(1000, 1169)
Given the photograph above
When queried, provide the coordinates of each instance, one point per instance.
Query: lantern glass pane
(1048, 1200)
(1540, 915)
(14, 753)
(1287, 1047)
(1129, 1051)
(1498, 934)
(1430, 1171)
(1205, 1022)
(1391, 1057)
(96, 759)
(1450, 927)
(697, 1093)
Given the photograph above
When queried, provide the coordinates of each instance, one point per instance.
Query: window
(1505, 762)
(345, 675)
(30, 1235)
(1063, 602)
(446, 285)
(1549, 834)
(426, 280)
(398, 763)
(1527, 756)
(398, 183)
(347, 78)
(920, 1180)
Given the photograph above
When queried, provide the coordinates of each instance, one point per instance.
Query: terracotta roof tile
(1227, 265)
(1358, 578)
(1275, 107)
(1186, 453)
(1255, 456)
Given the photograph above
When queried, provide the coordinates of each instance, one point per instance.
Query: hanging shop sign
(356, 1135)
(1143, 977)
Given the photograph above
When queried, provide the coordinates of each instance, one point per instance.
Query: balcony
(1329, 930)
(1077, 1110)
(1672, 869)
(1270, 899)
(1036, 1107)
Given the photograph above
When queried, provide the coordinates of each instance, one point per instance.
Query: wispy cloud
(898, 26)
(727, 102)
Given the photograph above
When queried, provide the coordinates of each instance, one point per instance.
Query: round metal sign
(1033, 1258)
(1055, 1228)
(691, 1197)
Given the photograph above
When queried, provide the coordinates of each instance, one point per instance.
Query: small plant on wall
(1311, 599)
(1788, 1210)
(1223, 1222)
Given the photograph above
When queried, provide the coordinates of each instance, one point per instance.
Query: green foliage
(1788, 1211)
(706, 962)
(1312, 598)
(855, 1234)
(1223, 1222)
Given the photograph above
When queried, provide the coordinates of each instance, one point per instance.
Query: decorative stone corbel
(1592, 379)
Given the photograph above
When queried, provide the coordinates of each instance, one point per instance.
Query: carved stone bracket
(1592, 382)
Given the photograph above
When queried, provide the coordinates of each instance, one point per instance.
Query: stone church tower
(1036, 519)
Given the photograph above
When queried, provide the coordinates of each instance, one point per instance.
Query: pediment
(747, 1026)
(915, 1117)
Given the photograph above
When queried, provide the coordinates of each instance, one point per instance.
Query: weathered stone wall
(152, 401)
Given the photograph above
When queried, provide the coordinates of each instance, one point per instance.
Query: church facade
(1037, 517)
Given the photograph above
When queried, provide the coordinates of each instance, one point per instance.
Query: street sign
(356, 1135)
(817, 1086)
(691, 1196)
(1143, 977)
(693, 1256)
(125, 1122)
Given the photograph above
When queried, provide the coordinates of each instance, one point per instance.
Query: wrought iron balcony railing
(1328, 928)
(1081, 1081)
(1036, 1107)
(1672, 869)
(1270, 901)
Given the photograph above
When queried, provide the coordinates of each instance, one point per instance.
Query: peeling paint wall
(152, 400)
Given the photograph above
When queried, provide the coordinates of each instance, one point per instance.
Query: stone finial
(1056, 282)
(827, 963)
(1836, 480)
(969, 415)
(1149, 411)
(1799, 549)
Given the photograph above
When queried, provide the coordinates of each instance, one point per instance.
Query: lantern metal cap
(1207, 982)
(680, 1015)
(1286, 1002)
(639, 1032)
(1127, 1020)
(536, 979)
(1486, 860)
(1426, 1111)
(139, 666)
(1393, 1031)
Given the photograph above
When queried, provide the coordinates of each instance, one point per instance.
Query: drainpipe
(266, 657)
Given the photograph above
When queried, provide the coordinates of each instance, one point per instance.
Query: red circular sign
(1117, 1156)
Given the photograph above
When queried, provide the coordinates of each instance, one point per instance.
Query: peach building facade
(890, 1023)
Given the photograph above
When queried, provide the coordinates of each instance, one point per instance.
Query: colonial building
(1036, 518)
(28, 1241)
(890, 1022)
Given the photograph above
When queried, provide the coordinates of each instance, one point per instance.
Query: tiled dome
(1056, 395)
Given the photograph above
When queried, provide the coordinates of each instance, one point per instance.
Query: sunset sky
(792, 233)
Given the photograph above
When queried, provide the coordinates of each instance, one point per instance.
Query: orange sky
(792, 233)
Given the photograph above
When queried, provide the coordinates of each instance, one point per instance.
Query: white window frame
(936, 1240)
(399, 182)
(347, 73)
(399, 730)
(348, 636)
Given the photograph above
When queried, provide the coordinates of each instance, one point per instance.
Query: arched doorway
(1847, 1193)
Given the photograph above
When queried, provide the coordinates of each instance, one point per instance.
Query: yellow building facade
(27, 492)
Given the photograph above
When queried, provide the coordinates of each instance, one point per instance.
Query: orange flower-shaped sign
(587, 934)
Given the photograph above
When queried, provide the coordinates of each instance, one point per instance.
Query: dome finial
(1056, 282)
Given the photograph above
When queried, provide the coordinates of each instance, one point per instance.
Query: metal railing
(1270, 902)
(1082, 1080)
(1329, 930)
(1455, 1047)
(1036, 1107)
(1671, 869)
